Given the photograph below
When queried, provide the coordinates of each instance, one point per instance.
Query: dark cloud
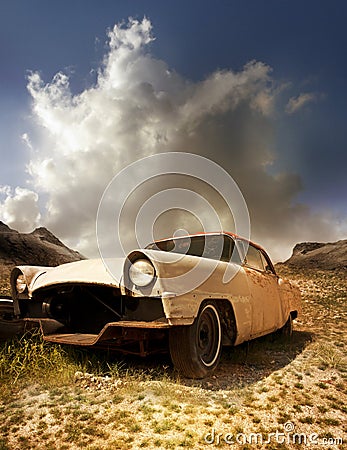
(139, 107)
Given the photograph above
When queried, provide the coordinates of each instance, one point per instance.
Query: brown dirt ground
(289, 395)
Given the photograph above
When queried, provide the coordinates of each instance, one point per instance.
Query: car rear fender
(290, 299)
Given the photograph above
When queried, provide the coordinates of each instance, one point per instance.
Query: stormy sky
(89, 87)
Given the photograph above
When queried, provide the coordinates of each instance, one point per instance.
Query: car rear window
(253, 258)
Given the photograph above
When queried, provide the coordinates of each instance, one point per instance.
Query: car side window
(221, 247)
(232, 254)
(242, 250)
(266, 264)
(214, 247)
(254, 258)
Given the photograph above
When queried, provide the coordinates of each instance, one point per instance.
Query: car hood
(91, 271)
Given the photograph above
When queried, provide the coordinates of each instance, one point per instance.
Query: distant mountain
(40, 247)
(318, 255)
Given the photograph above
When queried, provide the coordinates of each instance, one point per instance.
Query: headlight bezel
(141, 272)
(20, 284)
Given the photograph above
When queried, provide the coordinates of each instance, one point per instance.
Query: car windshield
(219, 247)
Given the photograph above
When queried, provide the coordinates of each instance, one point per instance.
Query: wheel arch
(227, 318)
(294, 314)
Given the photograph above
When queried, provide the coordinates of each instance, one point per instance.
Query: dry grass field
(268, 394)
(5, 272)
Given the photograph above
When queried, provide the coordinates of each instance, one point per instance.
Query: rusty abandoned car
(191, 294)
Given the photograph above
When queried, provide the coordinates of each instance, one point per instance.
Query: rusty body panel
(95, 302)
(290, 297)
(122, 335)
(266, 314)
(85, 271)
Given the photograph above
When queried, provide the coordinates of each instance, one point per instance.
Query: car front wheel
(195, 349)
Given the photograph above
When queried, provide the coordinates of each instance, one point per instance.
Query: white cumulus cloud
(139, 106)
(20, 208)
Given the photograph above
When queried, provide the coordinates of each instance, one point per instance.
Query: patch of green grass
(284, 417)
(232, 410)
(135, 427)
(162, 426)
(117, 398)
(307, 419)
(322, 409)
(299, 376)
(322, 385)
(273, 399)
(263, 389)
(249, 399)
(147, 411)
(330, 421)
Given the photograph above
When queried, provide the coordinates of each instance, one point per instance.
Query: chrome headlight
(141, 272)
(20, 284)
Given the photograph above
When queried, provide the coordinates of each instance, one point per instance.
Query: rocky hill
(318, 255)
(40, 248)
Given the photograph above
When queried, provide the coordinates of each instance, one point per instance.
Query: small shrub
(307, 419)
(322, 385)
(331, 421)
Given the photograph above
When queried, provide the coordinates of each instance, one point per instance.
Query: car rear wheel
(287, 330)
(195, 349)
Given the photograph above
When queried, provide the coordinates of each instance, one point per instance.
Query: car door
(263, 286)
